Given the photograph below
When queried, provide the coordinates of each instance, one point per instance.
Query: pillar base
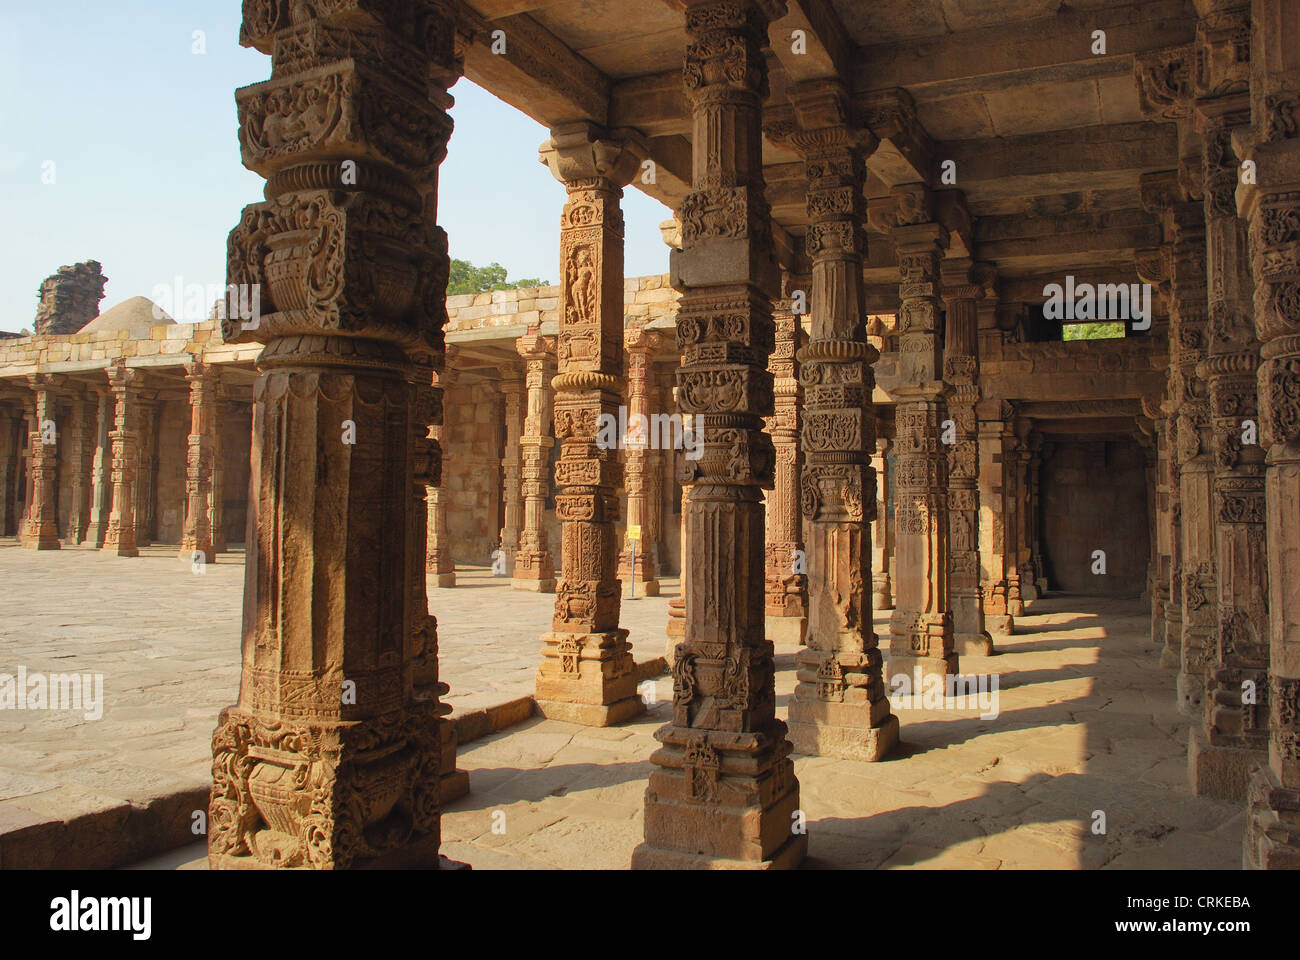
(1221, 772)
(790, 631)
(588, 678)
(646, 857)
(45, 544)
(841, 730)
(121, 551)
(721, 801)
(1169, 658)
(972, 645)
(591, 714)
(1272, 839)
(1000, 625)
(1191, 693)
(413, 858)
(941, 667)
(533, 586)
(645, 588)
(453, 784)
(442, 579)
(1015, 608)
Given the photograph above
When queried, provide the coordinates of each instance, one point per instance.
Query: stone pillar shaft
(101, 487)
(8, 470)
(882, 531)
(333, 756)
(84, 432)
(439, 564)
(512, 392)
(120, 536)
(723, 790)
(196, 536)
(44, 439)
(785, 562)
(921, 633)
(587, 674)
(534, 567)
(642, 451)
(961, 373)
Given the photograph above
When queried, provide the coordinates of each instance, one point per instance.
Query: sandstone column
(196, 536)
(512, 392)
(636, 562)
(882, 535)
(587, 674)
(332, 757)
(995, 525)
(439, 565)
(216, 495)
(840, 706)
(724, 789)
(1273, 210)
(1234, 737)
(534, 568)
(101, 486)
(1011, 449)
(785, 582)
(42, 513)
(1038, 451)
(120, 535)
(84, 432)
(921, 627)
(964, 288)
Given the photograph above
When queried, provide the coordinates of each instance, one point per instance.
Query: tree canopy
(467, 278)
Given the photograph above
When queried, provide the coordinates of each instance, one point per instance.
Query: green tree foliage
(467, 278)
(1093, 331)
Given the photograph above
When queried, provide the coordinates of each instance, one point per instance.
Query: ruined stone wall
(1095, 498)
(473, 437)
(236, 445)
(173, 447)
(69, 299)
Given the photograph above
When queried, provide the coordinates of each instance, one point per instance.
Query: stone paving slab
(1086, 723)
(166, 641)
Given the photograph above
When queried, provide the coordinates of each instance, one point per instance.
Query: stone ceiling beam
(906, 152)
(1065, 153)
(976, 61)
(828, 51)
(1091, 238)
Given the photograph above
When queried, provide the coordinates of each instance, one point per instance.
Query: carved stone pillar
(1038, 451)
(534, 568)
(1024, 452)
(146, 472)
(1011, 471)
(512, 393)
(1234, 737)
(332, 757)
(101, 484)
(785, 564)
(965, 287)
(438, 563)
(587, 673)
(1272, 208)
(995, 524)
(43, 464)
(882, 531)
(921, 628)
(840, 706)
(120, 535)
(723, 790)
(1188, 338)
(216, 495)
(83, 432)
(636, 562)
(196, 534)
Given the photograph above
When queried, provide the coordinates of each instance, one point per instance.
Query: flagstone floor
(1086, 735)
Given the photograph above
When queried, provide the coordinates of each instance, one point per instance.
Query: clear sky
(141, 134)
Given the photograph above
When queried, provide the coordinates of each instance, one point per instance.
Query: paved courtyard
(1086, 729)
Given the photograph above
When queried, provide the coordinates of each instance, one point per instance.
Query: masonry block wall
(173, 448)
(1095, 498)
(472, 438)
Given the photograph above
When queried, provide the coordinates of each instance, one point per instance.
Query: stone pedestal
(587, 674)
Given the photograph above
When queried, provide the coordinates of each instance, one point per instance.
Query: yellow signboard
(634, 531)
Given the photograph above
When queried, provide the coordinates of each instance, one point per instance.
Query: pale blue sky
(141, 132)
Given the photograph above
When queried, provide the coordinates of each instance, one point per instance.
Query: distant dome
(134, 314)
